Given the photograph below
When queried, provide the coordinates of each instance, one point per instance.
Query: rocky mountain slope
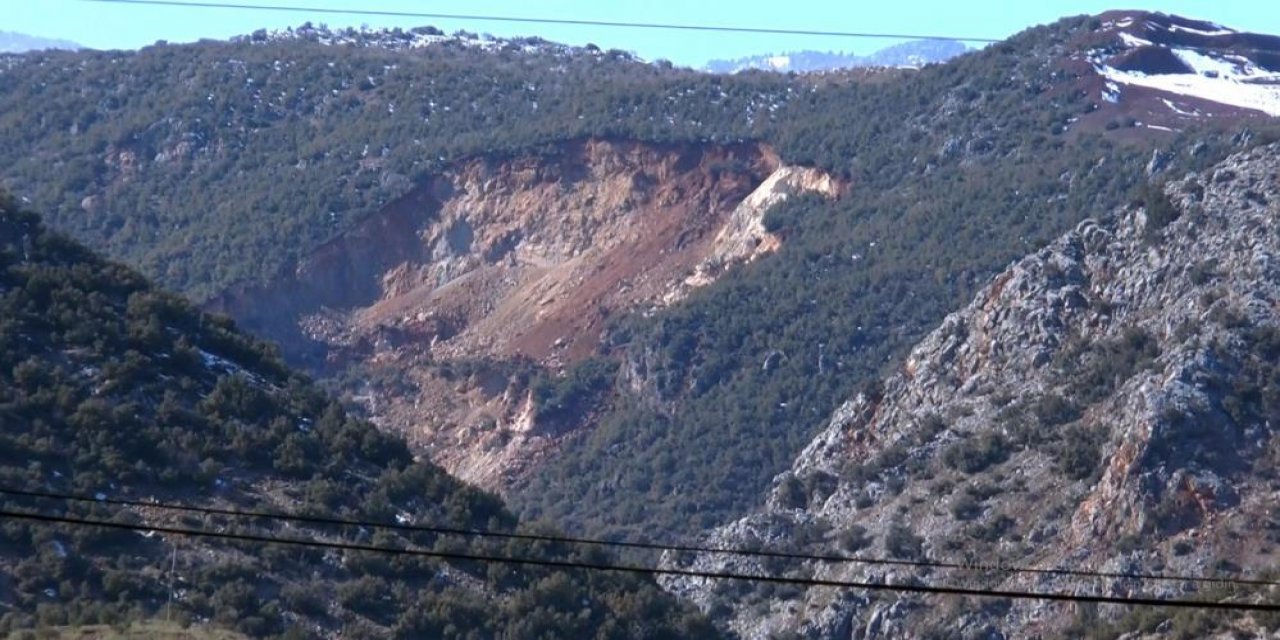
(113, 389)
(314, 130)
(1169, 72)
(913, 54)
(408, 205)
(509, 267)
(1107, 402)
(954, 171)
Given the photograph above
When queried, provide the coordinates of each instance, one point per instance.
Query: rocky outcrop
(510, 266)
(744, 237)
(1105, 403)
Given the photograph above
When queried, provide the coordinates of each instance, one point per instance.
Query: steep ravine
(446, 303)
(1106, 403)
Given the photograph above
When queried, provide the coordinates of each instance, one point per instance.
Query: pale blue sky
(105, 26)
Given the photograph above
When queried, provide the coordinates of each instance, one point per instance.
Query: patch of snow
(1134, 41)
(1173, 107)
(779, 62)
(1206, 65)
(1112, 93)
(1159, 128)
(1260, 91)
(218, 363)
(1220, 30)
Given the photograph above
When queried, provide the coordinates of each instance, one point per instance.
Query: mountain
(1105, 403)
(954, 170)
(913, 54)
(111, 388)
(315, 130)
(12, 42)
(483, 280)
(627, 297)
(622, 295)
(1193, 68)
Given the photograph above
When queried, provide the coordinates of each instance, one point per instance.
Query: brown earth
(442, 307)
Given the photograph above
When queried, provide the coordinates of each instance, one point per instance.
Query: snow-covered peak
(1201, 67)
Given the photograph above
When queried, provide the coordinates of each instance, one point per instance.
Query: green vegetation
(954, 171)
(1180, 624)
(1160, 211)
(110, 386)
(135, 152)
(568, 397)
(126, 631)
(954, 174)
(976, 453)
(902, 543)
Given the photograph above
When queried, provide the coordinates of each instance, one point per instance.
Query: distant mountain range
(915, 53)
(11, 42)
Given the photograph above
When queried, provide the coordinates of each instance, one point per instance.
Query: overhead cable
(910, 587)
(649, 546)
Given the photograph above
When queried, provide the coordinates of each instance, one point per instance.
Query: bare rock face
(449, 299)
(1106, 403)
(744, 237)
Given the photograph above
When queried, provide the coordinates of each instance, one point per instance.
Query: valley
(457, 293)
(1010, 309)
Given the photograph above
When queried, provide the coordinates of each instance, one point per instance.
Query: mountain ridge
(111, 388)
(13, 42)
(912, 54)
(666, 418)
(1105, 402)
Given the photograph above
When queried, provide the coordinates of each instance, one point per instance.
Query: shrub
(854, 538)
(976, 454)
(1160, 211)
(900, 542)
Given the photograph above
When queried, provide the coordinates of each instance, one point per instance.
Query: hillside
(314, 130)
(672, 346)
(1105, 403)
(953, 171)
(109, 387)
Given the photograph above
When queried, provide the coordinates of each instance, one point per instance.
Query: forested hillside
(952, 172)
(955, 171)
(110, 387)
(1107, 403)
(134, 152)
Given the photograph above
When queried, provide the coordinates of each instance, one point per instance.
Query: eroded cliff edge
(448, 301)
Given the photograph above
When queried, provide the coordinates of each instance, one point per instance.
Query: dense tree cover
(955, 171)
(109, 386)
(311, 137)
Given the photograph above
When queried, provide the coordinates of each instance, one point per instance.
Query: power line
(560, 21)
(648, 546)
(655, 571)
